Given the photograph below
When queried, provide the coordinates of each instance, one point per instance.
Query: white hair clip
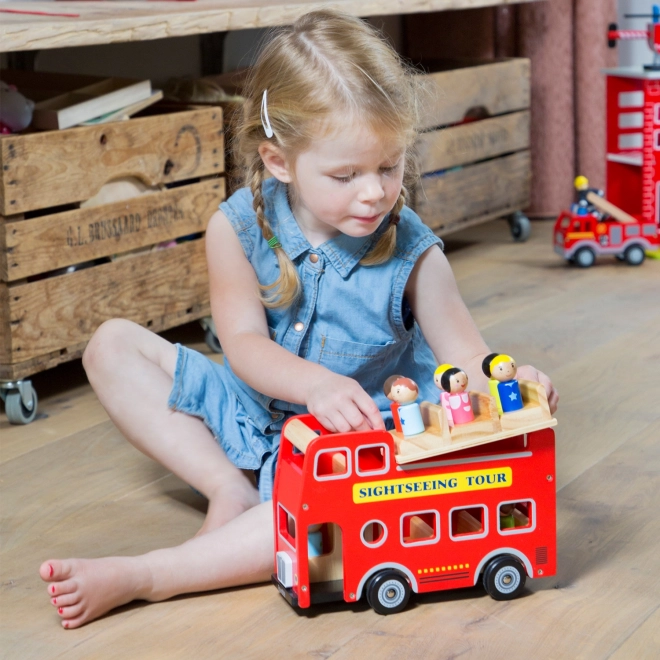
(265, 121)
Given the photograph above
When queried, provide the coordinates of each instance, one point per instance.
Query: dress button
(313, 258)
(274, 415)
(299, 326)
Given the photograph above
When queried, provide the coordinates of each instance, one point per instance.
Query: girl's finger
(370, 411)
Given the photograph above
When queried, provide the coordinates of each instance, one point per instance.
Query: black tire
(584, 257)
(634, 255)
(504, 578)
(212, 341)
(388, 592)
(520, 226)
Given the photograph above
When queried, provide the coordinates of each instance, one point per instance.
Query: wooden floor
(71, 486)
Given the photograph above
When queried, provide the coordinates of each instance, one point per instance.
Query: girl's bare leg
(240, 552)
(131, 370)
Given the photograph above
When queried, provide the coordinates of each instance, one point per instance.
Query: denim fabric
(355, 320)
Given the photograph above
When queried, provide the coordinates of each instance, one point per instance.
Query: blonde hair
(325, 63)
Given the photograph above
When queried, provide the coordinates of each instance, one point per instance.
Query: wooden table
(85, 23)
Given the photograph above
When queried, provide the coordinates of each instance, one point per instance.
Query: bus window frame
(333, 477)
(370, 473)
(412, 544)
(468, 536)
(279, 529)
(521, 530)
(378, 543)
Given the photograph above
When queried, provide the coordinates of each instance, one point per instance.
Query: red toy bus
(358, 515)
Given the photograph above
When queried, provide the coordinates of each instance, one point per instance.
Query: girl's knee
(111, 339)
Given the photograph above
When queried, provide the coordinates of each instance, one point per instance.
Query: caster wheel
(212, 341)
(520, 226)
(17, 411)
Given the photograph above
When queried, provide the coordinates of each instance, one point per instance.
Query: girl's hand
(341, 405)
(527, 372)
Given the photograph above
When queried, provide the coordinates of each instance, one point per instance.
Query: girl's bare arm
(339, 403)
(448, 327)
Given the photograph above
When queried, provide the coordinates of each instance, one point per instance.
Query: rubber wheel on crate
(212, 341)
(17, 412)
(520, 226)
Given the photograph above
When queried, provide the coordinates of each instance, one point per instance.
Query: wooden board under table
(485, 190)
(51, 168)
(56, 240)
(59, 314)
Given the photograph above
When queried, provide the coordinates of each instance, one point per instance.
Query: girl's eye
(390, 168)
(343, 179)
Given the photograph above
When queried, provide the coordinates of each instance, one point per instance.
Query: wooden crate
(47, 313)
(474, 153)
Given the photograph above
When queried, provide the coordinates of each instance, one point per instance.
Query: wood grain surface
(70, 485)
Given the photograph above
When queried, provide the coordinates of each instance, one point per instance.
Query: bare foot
(84, 589)
(229, 501)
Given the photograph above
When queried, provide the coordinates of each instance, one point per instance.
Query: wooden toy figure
(405, 411)
(501, 371)
(454, 398)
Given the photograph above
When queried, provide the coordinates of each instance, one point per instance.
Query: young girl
(323, 284)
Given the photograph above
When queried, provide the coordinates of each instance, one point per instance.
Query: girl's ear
(275, 162)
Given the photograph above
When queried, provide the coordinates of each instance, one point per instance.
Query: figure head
(338, 121)
(581, 182)
(499, 366)
(450, 379)
(403, 390)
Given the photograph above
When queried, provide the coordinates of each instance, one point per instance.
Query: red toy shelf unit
(633, 141)
(351, 522)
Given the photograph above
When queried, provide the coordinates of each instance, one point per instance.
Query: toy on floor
(501, 371)
(381, 515)
(454, 399)
(405, 409)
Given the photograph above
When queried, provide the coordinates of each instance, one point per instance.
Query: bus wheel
(634, 255)
(388, 592)
(584, 257)
(504, 578)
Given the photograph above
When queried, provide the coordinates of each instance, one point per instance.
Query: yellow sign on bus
(434, 484)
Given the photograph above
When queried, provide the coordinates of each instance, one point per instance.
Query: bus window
(332, 464)
(319, 540)
(420, 528)
(468, 523)
(516, 517)
(372, 459)
(374, 533)
(286, 525)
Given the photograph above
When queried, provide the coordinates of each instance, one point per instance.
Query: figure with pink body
(454, 398)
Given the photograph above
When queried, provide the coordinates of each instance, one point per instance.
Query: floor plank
(71, 486)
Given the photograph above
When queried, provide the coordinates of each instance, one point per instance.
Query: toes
(69, 613)
(55, 570)
(58, 589)
(65, 600)
(74, 623)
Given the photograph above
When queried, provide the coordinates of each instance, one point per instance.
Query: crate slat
(52, 168)
(60, 312)
(37, 245)
(475, 190)
(469, 143)
(497, 87)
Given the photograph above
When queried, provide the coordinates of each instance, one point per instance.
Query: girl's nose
(371, 190)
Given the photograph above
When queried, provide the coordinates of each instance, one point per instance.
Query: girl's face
(346, 182)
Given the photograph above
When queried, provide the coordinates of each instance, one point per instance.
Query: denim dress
(350, 318)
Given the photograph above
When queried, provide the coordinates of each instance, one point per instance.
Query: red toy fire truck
(580, 237)
(380, 515)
